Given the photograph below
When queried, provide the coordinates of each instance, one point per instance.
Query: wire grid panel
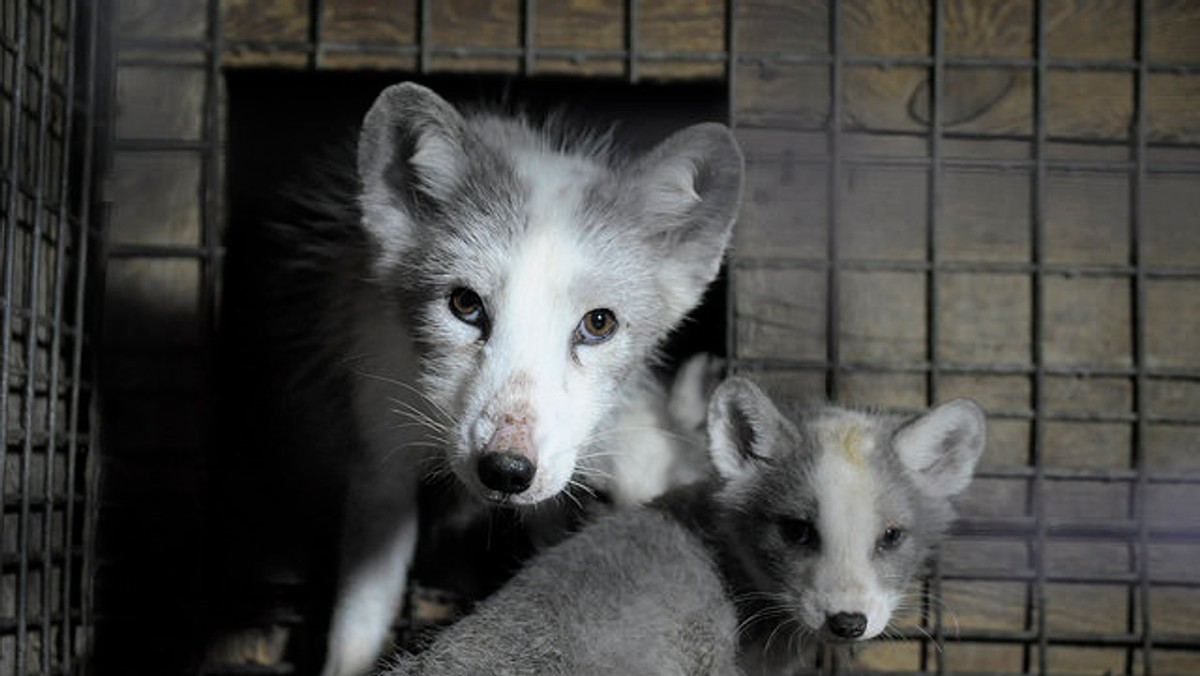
(934, 212)
(46, 456)
(945, 198)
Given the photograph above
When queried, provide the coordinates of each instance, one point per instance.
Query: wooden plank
(682, 25)
(577, 25)
(176, 20)
(999, 101)
(984, 319)
(1172, 323)
(155, 199)
(160, 103)
(265, 20)
(1087, 322)
(883, 390)
(882, 317)
(1171, 231)
(884, 216)
(783, 26)
(370, 22)
(783, 211)
(781, 313)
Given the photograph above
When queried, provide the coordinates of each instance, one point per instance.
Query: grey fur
(702, 581)
(445, 201)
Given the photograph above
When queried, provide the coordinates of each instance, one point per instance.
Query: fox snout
(508, 461)
(846, 626)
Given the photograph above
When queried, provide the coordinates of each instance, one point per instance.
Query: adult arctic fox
(813, 533)
(513, 286)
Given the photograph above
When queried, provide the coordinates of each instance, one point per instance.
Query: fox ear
(940, 448)
(691, 185)
(692, 388)
(743, 427)
(410, 152)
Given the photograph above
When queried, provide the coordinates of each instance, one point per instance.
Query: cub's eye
(467, 306)
(891, 538)
(799, 532)
(596, 326)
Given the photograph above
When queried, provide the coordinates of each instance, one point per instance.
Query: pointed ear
(940, 448)
(692, 388)
(743, 427)
(691, 185)
(410, 152)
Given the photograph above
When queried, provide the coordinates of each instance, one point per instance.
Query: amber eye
(467, 306)
(891, 538)
(596, 326)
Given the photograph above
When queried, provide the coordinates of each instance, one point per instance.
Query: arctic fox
(511, 287)
(813, 533)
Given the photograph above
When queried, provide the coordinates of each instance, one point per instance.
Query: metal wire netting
(48, 455)
(945, 198)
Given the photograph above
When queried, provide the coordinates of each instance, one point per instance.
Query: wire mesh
(1066, 560)
(47, 458)
(1037, 633)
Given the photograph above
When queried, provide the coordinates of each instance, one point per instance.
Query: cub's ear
(691, 186)
(940, 448)
(692, 388)
(410, 153)
(743, 428)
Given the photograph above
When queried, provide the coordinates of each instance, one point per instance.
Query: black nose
(847, 625)
(506, 472)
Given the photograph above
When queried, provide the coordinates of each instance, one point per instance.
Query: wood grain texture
(999, 101)
(576, 25)
(156, 200)
(387, 22)
(179, 19)
(265, 20)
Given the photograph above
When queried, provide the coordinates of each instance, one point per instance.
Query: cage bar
(833, 274)
(932, 329)
(1037, 610)
(12, 175)
(1141, 557)
(1036, 529)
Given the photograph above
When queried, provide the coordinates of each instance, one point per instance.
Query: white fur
(657, 440)
(527, 367)
(526, 387)
(845, 581)
(922, 446)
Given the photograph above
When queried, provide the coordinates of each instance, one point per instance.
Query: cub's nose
(847, 625)
(506, 472)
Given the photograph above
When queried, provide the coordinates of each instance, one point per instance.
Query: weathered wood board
(588, 38)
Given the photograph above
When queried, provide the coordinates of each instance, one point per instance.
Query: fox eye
(799, 532)
(467, 306)
(891, 538)
(596, 326)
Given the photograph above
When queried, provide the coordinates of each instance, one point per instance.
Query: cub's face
(833, 516)
(830, 537)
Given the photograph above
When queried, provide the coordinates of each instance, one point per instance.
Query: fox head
(538, 272)
(832, 517)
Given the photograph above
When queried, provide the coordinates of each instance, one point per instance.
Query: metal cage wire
(47, 458)
(1143, 640)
